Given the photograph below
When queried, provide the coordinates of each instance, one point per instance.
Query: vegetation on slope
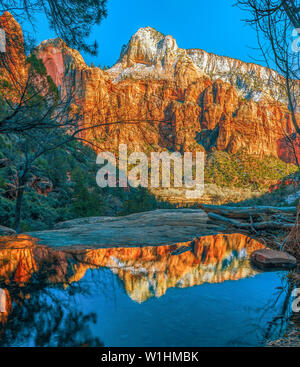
(245, 171)
(70, 176)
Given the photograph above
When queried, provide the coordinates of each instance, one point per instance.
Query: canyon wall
(158, 96)
(161, 97)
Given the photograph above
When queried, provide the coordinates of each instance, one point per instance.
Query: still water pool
(230, 313)
(144, 297)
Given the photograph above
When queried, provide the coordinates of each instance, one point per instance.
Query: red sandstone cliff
(160, 96)
(164, 96)
(14, 51)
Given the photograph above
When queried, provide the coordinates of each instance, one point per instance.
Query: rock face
(160, 96)
(14, 51)
(272, 259)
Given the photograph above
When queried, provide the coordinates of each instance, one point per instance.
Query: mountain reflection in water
(55, 297)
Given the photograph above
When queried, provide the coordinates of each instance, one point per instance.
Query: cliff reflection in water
(38, 280)
(144, 271)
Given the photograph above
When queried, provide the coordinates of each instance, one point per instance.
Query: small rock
(272, 259)
(5, 231)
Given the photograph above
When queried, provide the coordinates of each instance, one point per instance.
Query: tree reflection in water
(42, 312)
(41, 317)
(280, 300)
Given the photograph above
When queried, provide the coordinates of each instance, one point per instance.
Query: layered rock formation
(159, 96)
(14, 56)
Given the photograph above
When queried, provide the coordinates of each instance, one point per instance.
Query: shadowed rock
(5, 231)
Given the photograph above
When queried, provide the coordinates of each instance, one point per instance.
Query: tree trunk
(18, 209)
(291, 104)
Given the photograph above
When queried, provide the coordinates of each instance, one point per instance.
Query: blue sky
(215, 26)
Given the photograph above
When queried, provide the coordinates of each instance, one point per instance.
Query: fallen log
(246, 212)
(261, 225)
(221, 219)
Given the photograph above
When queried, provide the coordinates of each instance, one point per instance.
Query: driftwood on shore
(265, 223)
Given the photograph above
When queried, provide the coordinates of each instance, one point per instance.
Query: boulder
(267, 259)
(152, 228)
(5, 231)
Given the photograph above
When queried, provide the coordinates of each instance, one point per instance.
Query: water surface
(141, 296)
